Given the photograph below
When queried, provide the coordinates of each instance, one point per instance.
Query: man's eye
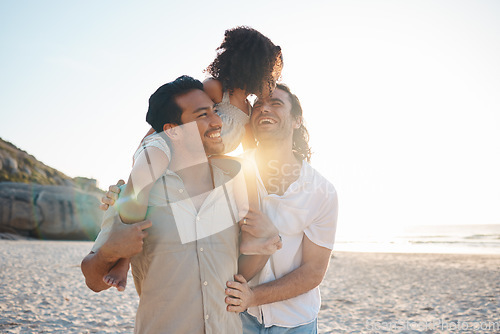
(202, 115)
(276, 104)
(216, 111)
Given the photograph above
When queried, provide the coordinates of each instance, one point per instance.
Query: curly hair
(247, 60)
(300, 145)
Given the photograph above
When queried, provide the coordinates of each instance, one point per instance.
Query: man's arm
(94, 267)
(250, 265)
(315, 260)
(124, 241)
(255, 223)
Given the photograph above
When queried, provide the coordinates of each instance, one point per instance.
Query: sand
(43, 291)
(417, 293)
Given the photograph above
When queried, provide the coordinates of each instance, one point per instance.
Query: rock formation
(48, 212)
(44, 203)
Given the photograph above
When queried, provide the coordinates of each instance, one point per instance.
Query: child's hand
(111, 196)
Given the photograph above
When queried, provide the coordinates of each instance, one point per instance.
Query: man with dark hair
(303, 205)
(191, 248)
(163, 108)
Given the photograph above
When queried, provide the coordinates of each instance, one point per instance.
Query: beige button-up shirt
(186, 260)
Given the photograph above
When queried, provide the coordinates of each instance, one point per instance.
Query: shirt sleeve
(322, 230)
(154, 140)
(151, 162)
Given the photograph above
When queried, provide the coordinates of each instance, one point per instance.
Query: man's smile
(266, 120)
(214, 134)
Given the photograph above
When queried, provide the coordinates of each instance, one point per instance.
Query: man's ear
(298, 122)
(171, 130)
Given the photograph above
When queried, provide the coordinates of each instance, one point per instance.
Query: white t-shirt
(309, 206)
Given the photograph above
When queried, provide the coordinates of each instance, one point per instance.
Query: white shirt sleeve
(322, 229)
(154, 140)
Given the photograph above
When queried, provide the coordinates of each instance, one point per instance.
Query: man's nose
(266, 107)
(215, 120)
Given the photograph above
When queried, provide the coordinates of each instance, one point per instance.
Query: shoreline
(417, 249)
(411, 249)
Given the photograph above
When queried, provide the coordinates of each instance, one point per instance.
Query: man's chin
(265, 137)
(214, 149)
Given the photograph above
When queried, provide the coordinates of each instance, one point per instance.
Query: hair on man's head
(300, 146)
(162, 106)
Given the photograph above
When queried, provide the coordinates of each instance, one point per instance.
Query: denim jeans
(252, 326)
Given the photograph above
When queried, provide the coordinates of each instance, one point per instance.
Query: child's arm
(213, 88)
(149, 166)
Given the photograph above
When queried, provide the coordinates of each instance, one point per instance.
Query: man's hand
(239, 295)
(125, 240)
(111, 196)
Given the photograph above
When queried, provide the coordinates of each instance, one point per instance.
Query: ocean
(446, 239)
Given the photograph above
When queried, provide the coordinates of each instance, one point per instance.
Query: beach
(42, 290)
(410, 293)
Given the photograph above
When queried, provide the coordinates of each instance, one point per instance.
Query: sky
(401, 98)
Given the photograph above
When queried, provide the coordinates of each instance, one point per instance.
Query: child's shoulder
(213, 88)
(157, 141)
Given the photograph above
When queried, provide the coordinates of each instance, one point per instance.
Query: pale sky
(401, 97)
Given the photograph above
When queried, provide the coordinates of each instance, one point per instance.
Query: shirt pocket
(163, 236)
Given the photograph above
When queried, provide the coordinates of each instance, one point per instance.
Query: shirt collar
(218, 174)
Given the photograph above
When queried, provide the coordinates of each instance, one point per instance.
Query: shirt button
(206, 317)
(201, 249)
(205, 283)
(197, 218)
(181, 190)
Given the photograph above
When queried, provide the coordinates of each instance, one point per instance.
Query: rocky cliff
(39, 201)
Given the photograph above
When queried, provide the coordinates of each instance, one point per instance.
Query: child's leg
(117, 276)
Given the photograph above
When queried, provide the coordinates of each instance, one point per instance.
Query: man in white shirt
(285, 297)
